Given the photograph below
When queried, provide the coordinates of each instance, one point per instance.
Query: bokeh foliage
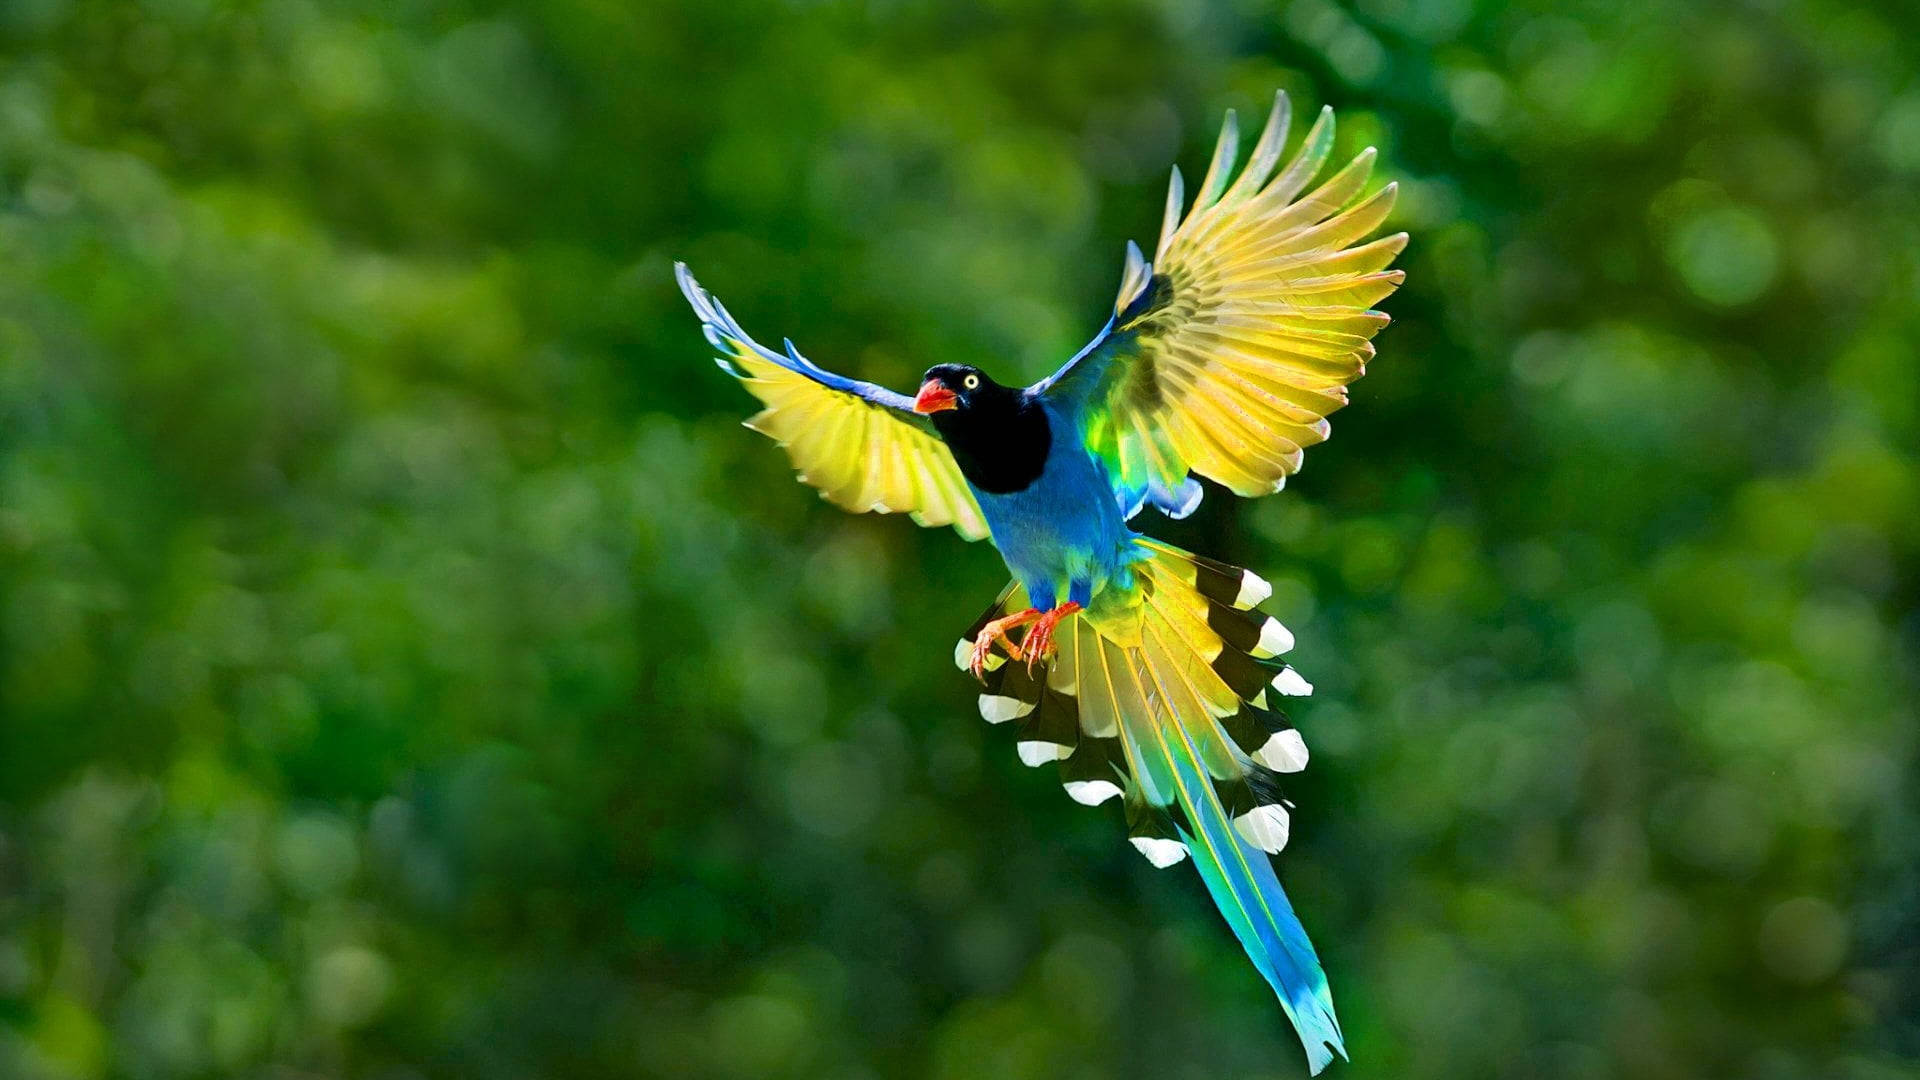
(412, 670)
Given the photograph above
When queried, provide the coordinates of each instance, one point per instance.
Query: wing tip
(712, 314)
(698, 296)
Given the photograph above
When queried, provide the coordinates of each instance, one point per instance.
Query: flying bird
(1146, 672)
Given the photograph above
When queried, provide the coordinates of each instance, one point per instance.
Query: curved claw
(996, 631)
(1039, 644)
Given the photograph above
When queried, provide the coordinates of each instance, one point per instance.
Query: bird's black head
(998, 434)
(957, 388)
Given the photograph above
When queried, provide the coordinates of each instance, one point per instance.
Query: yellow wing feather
(859, 444)
(1231, 347)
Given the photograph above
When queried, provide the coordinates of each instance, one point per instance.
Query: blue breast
(1063, 536)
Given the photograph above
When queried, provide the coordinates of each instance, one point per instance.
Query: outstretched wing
(1227, 353)
(862, 445)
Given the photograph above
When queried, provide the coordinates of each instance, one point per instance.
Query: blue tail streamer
(1248, 893)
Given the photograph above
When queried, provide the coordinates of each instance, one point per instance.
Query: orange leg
(1040, 639)
(997, 631)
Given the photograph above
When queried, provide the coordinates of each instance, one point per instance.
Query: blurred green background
(412, 670)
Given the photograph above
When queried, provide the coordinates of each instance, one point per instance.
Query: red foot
(997, 631)
(1039, 644)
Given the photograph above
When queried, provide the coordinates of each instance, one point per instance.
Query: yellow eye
(971, 382)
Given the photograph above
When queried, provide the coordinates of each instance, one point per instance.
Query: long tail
(1161, 695)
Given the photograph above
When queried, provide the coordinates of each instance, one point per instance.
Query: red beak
(934, 397)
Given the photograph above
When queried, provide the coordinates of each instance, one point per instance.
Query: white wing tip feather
(1133, 278)
(1290, 683)
(1253, 589)
(998, 709)
(1265, 827)
(1035, 752)
(1284, 751)
(1091, 792)
(1161, 853)
(1275, 639)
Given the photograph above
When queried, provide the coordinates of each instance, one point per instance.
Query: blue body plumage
(1063, 535)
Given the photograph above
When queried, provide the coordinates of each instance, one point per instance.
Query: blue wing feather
(1069, 388)
(1079, 386)
(722, 328)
